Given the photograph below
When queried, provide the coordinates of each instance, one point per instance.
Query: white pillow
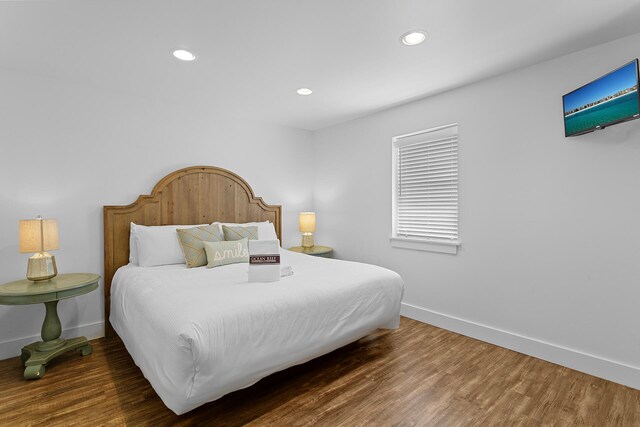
(266, 230)
(133, 245)
(156, 245)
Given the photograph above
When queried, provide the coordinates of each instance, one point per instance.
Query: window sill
(449, 247)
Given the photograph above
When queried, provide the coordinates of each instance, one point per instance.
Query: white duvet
(198, 334)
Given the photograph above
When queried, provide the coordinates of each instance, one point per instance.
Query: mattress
(198, 334)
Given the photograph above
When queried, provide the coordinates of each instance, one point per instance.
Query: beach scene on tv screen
(609, 99)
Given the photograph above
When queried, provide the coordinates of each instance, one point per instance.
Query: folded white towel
(264, 247)
(264, 273)
(286, 270)
(264, 260)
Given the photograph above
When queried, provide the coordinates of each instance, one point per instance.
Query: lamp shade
(38, 235)
(307, 222)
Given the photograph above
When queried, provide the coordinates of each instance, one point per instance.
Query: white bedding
(198, 334)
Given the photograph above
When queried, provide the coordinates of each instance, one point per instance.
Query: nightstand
(35, 356)
(321, 251)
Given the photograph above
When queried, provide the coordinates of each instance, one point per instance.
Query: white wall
(550, 257)
(67, 150)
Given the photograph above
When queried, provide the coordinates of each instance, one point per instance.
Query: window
(425, 190)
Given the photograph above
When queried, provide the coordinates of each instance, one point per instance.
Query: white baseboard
(587, 363)
(11, 348)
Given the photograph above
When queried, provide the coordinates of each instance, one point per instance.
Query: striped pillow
(192, 242)
(237, 233)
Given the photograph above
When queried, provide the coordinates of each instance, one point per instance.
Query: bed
(200, 333)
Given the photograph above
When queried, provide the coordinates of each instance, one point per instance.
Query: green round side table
(321, 251)
(35, 356)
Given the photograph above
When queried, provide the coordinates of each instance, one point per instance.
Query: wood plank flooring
(418, 375)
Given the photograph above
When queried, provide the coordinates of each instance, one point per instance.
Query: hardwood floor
(414, 376)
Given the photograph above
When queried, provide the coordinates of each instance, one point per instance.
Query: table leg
(36, 356)
(51, 328)
(34, 372)
(36, 359)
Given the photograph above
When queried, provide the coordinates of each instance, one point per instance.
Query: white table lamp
(39, 236)
(307, 224)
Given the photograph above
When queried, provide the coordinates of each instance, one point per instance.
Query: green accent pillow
(223, 253)
(236, 232)
(192, 242)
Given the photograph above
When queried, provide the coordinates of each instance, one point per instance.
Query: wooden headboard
(193, 195)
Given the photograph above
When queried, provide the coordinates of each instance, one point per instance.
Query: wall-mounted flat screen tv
(611, 99)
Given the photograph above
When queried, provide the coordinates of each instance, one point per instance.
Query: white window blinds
(426, 185)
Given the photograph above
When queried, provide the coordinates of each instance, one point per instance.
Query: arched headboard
(193, 195)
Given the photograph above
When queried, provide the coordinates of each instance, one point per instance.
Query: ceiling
(252, 55)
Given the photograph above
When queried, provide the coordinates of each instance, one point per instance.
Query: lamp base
(42, 266)
(307, 240)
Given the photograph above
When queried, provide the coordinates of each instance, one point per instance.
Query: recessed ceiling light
(414, 37)
(184, 55)
(304, 91)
